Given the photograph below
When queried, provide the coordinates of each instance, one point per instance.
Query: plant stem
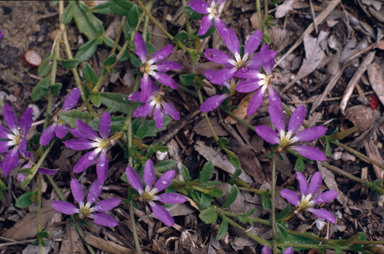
(256, 191)
(207, 118)
(119, 32)
(259, 18)
(187, 21)
(273, 186)
(134, 232)
(146, 19)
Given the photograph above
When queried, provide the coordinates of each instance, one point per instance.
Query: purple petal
(167, 66)
(276, 115)
(163, 53)
(288, 250)
(171, 110)
(77, 191)
(76, 133)
(222, 76)
(1, 34)
(310, 152)
(136, 96)
(61, 131)
(221, 28)
(291, 196)
(311, 133)
(297, 119)
(218, 56)
(165, 79)
(199, 6)
(141, 49)
(64, 207)
(3, 132)
(104, 220)
(165, 180)
(256, 101)
(145, 87)
(315, 183)
(23, 146)
(249, 74)
(87, 131)
(209, 73)
(268, 66)
(143, 110)
(102, 166)
(26, 121)
(267, 133)
(106, 205)
(325, 197)
(4, 146)
(48, 134)
(266, 250)
(87, 160)
(10, 118)
(72, 99)
(162, 214)
(303, 183)
(261, 58)
(158, 114)
(149, 173)
(247, 86)
(205, 25)
(105, 125)
(79, 144)
(46, 171)
(232, 42)
(171, 198)
(253, 42)
(94, 191)
(274, 97)
(10, 161)
(324, 214)
(134, 179)
(213, 102)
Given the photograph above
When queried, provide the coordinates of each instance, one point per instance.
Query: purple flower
(14, 137)
(29, 157)
(154, 67)
(85, 210)
(267, 250)
(286, 140)
(155, 100)
(88, 139)
(305, 203)
(211, 9)
(259, 81)
(1, 34)
(236, 64)
(58, 127)
(149, 194)
(215, 101)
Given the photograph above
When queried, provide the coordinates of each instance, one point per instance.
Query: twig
(313, 15)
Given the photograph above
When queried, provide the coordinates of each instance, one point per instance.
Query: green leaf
(120, 7)
(163, 166)
(151, 49)
(102, 8)
(43, 234)
(231, 196)
(86, 51)
(350, 240)
(41, 89)
(89, 74)
(150, 151)
(187, 79)
(133, 17)
(70, 63)
(243, 217)
(344, 134)
(142, 130)
(153, 130)
(117, 123)
(234, 176)
(215, 193)
(186, 175)
(282, 232)
(299, 165)
(295, 239)
(134, 60)
(110, 60)
(206, 172)
(70, 117)
(45, 67)
(25, 200)
(115, 102)
(55, 88)
(205, 201)
(181, 36)
(96, 98)
(284, 212)
(209, 215)
(222, 229)
(86, 22)
(3, 186)
(376, 184)
(68, 13)
(234, 159)
(191, 13)
(266, 202)
(328, 149)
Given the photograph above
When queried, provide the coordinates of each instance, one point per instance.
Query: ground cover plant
(122, 172)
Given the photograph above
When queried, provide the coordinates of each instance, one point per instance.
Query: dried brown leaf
(376, 77)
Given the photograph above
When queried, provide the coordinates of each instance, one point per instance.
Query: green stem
(187, 21)
(273, 186)
(259, 18)
(265, 13)
(146, 19)
(134, 232)
(118, 35)
(256, 191)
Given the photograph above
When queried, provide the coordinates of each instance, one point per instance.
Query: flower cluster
(87, 210)
(149, 193)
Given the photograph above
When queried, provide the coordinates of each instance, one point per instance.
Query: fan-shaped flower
(286, 140)
(267, 250)
(156, 103)
(58, 127)
(306, 203)
(14, 137)
(149, 193)
(86, 210)
(154, 67)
